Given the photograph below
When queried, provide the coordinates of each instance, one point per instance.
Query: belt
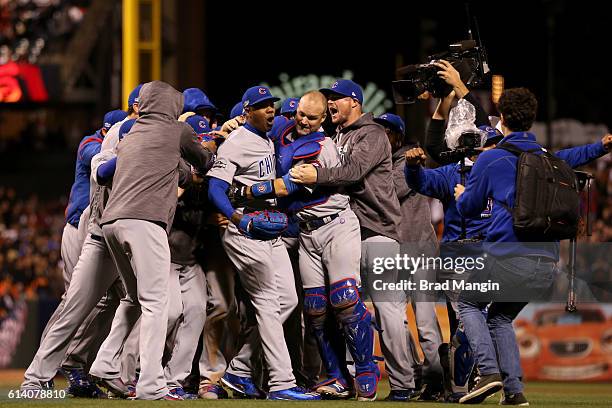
(311, 225)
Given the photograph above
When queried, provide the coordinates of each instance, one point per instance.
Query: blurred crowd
(30, 233)
(28, 26)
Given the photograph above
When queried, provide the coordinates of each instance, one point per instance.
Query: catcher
(252, 244)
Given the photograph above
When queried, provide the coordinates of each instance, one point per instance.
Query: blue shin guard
(315, 307)
(356, 322)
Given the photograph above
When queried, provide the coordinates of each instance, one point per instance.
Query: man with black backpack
(525, 183)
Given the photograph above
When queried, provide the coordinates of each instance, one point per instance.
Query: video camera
(469, 143)
(466, 57)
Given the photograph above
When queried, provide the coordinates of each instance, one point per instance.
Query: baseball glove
(263, 225)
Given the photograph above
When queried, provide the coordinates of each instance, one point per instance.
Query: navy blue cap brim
(387, 123)
(265, 99)
(328, 91)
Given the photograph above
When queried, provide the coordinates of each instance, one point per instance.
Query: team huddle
(201, 258)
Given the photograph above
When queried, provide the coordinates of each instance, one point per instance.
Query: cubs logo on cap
(289, 105)
(345, 87)
(257, 94)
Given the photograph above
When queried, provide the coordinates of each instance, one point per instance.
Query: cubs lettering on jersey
(267, 166)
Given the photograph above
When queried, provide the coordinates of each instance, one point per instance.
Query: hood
(367, 119)
(160, 97)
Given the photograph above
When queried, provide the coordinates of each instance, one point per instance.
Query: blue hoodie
(440, 183)
(494, 175)
(79, 193)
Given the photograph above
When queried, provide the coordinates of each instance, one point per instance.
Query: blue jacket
(79, 193)
(494, 176)
(440, 183)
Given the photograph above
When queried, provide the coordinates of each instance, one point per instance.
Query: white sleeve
(98, 160)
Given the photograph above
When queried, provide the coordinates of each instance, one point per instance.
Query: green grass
(540, 394)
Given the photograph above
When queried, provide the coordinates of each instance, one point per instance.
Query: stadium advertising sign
(21, 82)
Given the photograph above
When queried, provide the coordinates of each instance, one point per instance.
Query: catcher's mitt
(263, 225)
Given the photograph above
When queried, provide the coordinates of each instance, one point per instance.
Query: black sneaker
(487, 385)
(515, 399)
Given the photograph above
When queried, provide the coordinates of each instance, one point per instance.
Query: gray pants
(130, 349)
(428, 329)
(92, 277)
(193, 296)
(141, 253)
(331, 253)
(266, 276)
(222, 324)
(390, 317)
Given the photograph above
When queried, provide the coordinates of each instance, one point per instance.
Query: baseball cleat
(116, 388)
(180, 392)
(242, 386)
(333, 389)
(79, 384)
(294, 394)
(402, 395)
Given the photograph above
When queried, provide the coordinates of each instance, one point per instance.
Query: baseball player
(93, 276)
(135, 222)
(237, 110)
(247, 157)
(329, 249)
(72, 240)
(188, 221)
(366, 173)
(417, 237)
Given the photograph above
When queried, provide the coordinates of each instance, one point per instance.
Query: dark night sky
(328, 37)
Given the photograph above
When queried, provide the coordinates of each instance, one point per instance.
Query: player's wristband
(290, 185)
(265, 189)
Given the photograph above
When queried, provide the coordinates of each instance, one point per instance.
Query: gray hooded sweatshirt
(147, 175)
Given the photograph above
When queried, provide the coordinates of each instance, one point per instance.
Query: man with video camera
(521, 267)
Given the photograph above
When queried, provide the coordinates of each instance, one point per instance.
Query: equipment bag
(547, 201)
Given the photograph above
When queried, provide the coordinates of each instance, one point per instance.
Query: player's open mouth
(333, 111)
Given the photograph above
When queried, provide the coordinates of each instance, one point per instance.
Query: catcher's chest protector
(547, 201)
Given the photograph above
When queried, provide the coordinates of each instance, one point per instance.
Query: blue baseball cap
(257, 94)
(493, 135)
(113, 117)
(195, 99)
(133, 98)
(289, 105)
(237, 110)
(392, 121)
(199, 124)
(125, 127)
(344, 87)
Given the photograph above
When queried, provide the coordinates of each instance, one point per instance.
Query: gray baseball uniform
(136, 220)
(263, 266)
(222, 325)
(333, 250)
(93, 274)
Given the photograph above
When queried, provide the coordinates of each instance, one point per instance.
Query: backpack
(547, 200)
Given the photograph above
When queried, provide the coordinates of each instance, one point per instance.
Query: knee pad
(344, 293)
(315, 302)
